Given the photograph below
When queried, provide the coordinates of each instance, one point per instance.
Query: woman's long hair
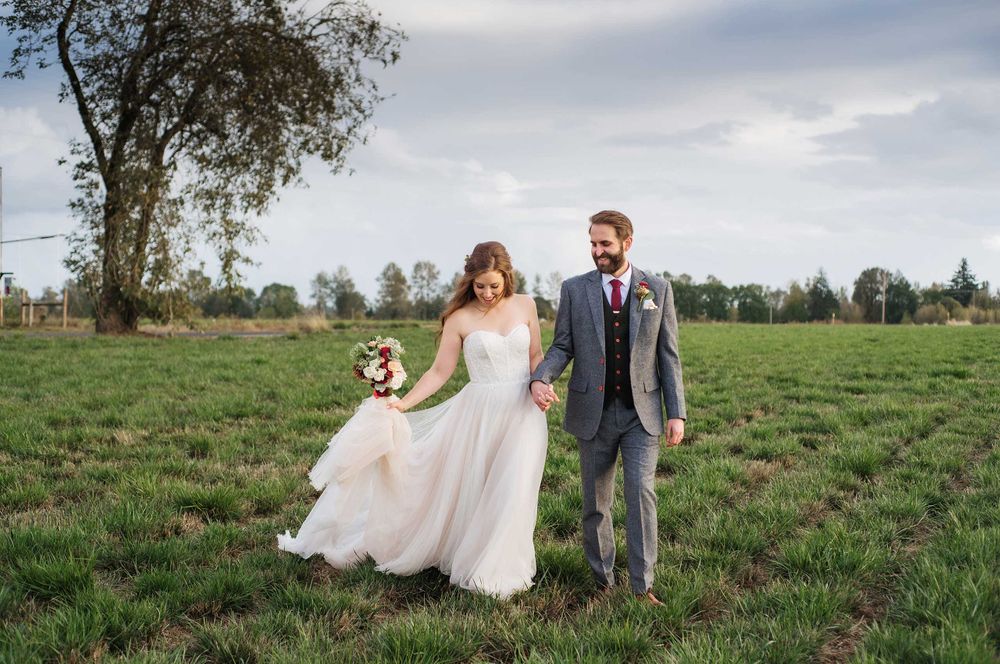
(485, 257)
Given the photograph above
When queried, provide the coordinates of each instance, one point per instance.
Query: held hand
(543, 395)
(674, 432)
(397, 405)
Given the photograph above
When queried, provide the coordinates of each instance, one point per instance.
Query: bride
(454, 486)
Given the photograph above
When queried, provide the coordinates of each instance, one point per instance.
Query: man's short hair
(621, 223)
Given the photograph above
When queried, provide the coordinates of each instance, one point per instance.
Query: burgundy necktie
(616, 295)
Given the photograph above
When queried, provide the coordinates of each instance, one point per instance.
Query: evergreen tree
(963, 284)
(822, 300)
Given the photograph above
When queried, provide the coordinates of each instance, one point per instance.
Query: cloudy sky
(754, 141)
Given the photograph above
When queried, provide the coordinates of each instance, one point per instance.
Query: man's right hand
(543, 395)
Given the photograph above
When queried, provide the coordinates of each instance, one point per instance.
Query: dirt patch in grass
(759, 471)
(747, 418)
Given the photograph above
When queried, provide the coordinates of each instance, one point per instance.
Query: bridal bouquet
(377, 363)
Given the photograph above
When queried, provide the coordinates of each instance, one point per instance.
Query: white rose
(379, 374)
(396, 382)
(369, 372)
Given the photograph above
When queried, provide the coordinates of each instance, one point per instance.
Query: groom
(619, 324)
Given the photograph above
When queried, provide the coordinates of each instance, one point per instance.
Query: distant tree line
(877, 295)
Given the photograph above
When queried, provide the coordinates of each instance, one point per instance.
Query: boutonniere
(644, 296)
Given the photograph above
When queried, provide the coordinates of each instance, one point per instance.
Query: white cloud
(29, 147)
(555, 18)
(993, 242)
(467, 178)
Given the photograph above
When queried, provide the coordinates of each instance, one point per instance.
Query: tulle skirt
(453, 487)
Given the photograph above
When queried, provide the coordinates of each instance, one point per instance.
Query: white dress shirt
(626, 280)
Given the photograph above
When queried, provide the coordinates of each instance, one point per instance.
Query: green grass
(837, 499)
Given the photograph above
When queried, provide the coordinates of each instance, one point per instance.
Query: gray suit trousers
(620, 429)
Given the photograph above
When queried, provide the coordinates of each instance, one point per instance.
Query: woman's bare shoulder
(460, 320)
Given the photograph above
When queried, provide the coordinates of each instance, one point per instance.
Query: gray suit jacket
(655, 364)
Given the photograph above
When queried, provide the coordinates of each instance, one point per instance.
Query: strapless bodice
(492, 357)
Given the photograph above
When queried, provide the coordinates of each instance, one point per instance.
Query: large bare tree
(195, 115)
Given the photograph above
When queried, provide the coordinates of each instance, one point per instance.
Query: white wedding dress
(453, 487)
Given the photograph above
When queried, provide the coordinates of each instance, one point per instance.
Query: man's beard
(615, 262)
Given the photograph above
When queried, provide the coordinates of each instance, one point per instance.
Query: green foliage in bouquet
(377, 363)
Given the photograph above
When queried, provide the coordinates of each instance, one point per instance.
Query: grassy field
(837, 499)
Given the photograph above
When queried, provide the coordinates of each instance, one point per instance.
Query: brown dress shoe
(649, 597)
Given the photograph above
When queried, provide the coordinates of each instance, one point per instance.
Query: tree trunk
(116, 313)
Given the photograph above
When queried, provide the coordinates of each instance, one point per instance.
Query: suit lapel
(595, 295)
(634, 307)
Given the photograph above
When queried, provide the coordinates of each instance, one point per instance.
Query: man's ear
(627, 244)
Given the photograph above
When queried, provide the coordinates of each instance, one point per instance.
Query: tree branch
(77, 87)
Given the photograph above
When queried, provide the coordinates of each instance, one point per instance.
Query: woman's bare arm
(441, 370)
(535, 349)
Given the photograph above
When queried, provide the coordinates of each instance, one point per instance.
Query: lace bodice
(492, 357)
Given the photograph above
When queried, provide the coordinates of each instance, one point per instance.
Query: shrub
(931, 314)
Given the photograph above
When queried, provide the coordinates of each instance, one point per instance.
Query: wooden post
(885, 286)
(22, 308)
(65, 307)
(31, 312)
(1, 301)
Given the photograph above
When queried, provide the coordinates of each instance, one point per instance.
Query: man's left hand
(674, 432)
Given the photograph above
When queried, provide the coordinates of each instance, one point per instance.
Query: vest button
(617, 340)
(617, 324)
(600, 388)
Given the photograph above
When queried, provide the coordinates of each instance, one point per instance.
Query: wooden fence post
(65, 306)
(22, 308)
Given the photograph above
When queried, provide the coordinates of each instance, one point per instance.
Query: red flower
(644, 284)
